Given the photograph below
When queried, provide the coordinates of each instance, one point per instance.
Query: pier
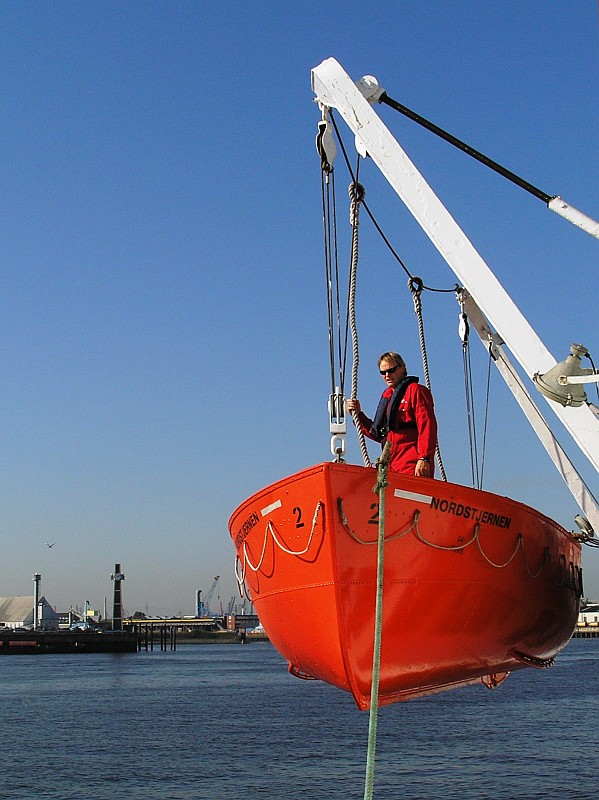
(590, 631)
(38, 642)
(137, 634)
(167, 633)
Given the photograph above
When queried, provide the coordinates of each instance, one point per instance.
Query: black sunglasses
(389, 371)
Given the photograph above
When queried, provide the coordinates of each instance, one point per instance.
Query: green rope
(380, 488)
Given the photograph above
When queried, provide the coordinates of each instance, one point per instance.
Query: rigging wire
(588, 355)
(338, 344)
(466, 148)
(332, 276)
(415, 283)
(464, 330)
(373, 218)
(325, 147)
(328, 262)
(477, 463)
(487, 395)
(416, 286)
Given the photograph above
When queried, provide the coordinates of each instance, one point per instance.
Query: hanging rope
(416, 285)
(356, 194)
(380, 489)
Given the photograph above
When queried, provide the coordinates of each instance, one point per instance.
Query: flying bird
(50, 544)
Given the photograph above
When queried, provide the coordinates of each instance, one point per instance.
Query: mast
(335, 89)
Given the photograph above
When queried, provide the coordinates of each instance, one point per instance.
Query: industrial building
(19, 612)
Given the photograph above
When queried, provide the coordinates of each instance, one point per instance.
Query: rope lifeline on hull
(570, 576)
(562, 574)
(270, 528)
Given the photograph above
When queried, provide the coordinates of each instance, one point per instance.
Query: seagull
(50, 544)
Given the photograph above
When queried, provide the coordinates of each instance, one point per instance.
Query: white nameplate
(419, 498)
(271, 507)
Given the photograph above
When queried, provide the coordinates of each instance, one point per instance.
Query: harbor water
(227, 722)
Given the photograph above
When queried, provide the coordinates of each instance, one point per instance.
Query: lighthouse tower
(36, 600)
(117, 605)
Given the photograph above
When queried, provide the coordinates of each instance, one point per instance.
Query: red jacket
(412, 429)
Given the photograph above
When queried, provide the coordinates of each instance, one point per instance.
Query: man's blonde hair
(393, 357)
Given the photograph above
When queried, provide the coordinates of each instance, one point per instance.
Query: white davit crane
(497, 315)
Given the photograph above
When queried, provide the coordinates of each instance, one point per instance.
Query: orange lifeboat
(475, 585)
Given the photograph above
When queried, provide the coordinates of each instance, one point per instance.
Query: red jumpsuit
(412, 429)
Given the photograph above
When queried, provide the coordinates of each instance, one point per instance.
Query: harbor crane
(204, 607)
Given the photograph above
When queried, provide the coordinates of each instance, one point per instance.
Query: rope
(415, 284)
(353, 535)
(414, 526)
(356, 193)
(373, 218)
(270, 528)
(380, 489)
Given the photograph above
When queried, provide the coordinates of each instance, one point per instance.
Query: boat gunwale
(331, 466)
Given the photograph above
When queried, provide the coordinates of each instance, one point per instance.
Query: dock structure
(586, 631)
(167, 632)
(587, 626)
(37, 642)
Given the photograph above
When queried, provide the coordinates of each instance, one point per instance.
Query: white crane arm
(335, 89)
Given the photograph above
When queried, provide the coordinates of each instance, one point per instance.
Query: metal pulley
(337, 423)
(463, 325)
(325, 142)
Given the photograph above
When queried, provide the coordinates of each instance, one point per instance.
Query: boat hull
(475, 585)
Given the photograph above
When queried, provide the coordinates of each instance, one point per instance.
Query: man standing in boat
(405, 416)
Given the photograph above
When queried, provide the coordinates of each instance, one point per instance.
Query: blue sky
(163, 343)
